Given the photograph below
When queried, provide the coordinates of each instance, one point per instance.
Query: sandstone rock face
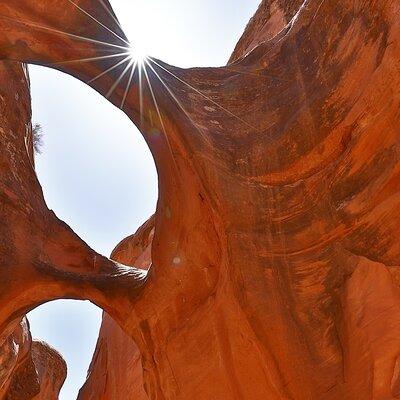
(270, 19)
(40, 376)
(275, 254)
(14, 354)
(51, 370)
(116, 370)
(30, 370)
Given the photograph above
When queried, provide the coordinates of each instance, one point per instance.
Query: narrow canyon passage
(270, 268)
(71, 327)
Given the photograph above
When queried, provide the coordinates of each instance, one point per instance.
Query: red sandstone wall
(116, 370)
(275, 252)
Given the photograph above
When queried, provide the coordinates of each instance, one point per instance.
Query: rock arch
(275, 249)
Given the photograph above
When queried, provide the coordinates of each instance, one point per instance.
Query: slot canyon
(270, 269)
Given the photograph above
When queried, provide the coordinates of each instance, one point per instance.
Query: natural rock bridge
(274, 249)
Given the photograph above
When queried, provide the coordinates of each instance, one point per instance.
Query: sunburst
(134, 58)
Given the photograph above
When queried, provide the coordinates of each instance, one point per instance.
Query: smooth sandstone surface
(275, 258)
(116, 370)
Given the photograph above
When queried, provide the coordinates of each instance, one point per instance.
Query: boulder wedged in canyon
(275, 259)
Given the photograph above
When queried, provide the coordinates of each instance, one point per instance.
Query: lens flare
(137, 53)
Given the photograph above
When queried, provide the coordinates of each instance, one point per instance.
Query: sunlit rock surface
(275, 252)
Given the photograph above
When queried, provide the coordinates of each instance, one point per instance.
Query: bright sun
(137, 53)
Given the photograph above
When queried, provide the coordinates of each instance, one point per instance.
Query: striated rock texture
(275, 258)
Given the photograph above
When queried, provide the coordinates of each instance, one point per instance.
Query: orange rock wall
(274, 261)
(295, 201)
(51, 370)
(116, 370)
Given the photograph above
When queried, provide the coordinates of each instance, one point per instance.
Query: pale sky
(96, 171)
